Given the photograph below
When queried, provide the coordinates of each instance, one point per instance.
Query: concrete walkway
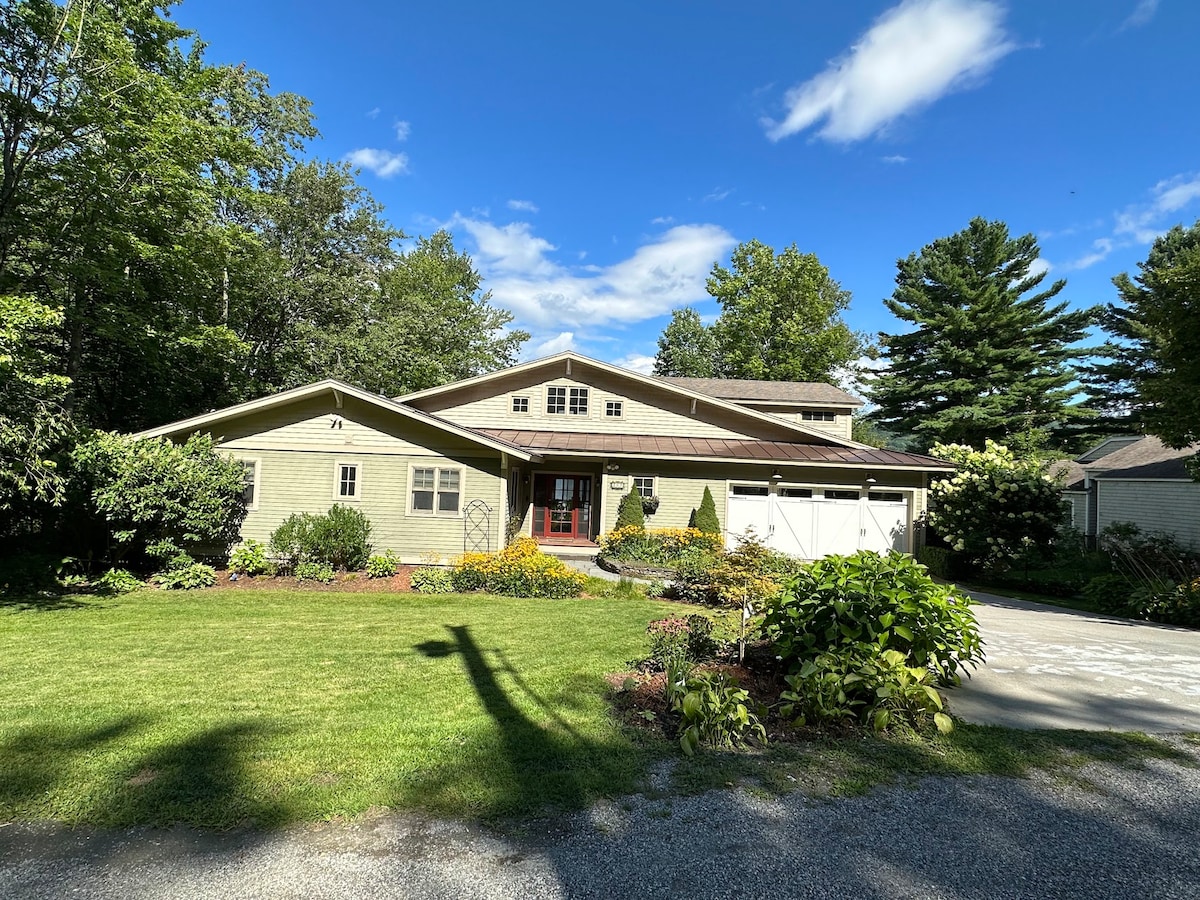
(1049, 667)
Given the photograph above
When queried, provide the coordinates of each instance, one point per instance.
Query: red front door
(562, 507)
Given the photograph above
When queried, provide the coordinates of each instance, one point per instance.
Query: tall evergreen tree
(987, 358)
(687, 347)
(1149, 375)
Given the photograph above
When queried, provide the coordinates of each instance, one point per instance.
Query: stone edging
(635, 569)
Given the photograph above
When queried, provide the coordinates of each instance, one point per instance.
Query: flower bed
(655, 546)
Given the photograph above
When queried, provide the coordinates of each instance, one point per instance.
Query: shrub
(842, 603)
(1162, 577)
(432, 580)
(936, 560)
(864, 685)
(1173, 604)
(382, 565)
(706, 516)
(995, 506)
(291, 542)
(658, 546)
(117, 581)
(315, 571)
(714, 710)
(677, 641)
(185, 574)
(139, 494)
(249, 558)
(341, 538)
(1108, 593)
(519, 570)
(630, 511)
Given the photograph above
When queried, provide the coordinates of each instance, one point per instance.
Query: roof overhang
(775, 463)
(339, 390)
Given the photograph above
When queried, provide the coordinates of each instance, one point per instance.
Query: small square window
(614, 409)
(644, 485)
(348, 481)
(520, 404)
(579, 402)
(556, 400)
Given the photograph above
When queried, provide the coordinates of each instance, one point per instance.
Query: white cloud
(1101, 248)
(383, 163)
(556, 344)
(523, 206)
(373, 113)
(667, 272)
(716, 195)
(1144, 221)
(1039, 266)
(662, 220)
(911, 56)
(894, 160)
(403, 130)
(1142, 13)
(639, 362)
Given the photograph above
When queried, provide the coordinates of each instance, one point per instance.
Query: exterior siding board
(1170, 506)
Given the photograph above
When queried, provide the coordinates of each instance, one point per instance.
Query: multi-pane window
(809, 415)
(520, 404)
(614, 408)
(579, 402)
(249, 479)
(347, 483)
(886, 496)
(795, 492)
(556, 400)
(644, 485)
(436, 490)
(840, 495)
(749, 490)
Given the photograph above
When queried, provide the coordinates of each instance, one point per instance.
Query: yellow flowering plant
(519, 570)
(660, 546)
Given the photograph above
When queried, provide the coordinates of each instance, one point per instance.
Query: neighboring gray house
(1134, 479)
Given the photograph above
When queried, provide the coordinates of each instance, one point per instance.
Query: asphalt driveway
(1049, 667)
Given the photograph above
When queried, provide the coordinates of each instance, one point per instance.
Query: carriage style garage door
(815, 522)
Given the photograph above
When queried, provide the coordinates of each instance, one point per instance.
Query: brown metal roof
(771, 391)
(711, 448)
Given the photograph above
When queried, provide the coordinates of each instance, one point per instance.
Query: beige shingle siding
(299, 445)
(1170, 506)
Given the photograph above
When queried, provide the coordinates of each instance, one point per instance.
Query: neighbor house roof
(1148, 458)
(1070, 472)
(205, 421)
(740, 449)
(797, 392)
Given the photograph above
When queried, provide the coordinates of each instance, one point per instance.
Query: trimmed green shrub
(250, 558)
(432, 580)
(291, 542)
(869, 600)
(630, 512)
(706, 516)
(340, 538)
(382, 565)
(315, 571)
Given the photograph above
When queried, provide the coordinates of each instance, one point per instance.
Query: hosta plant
(714, 710)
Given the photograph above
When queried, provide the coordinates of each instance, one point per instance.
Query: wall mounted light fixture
(775, 476)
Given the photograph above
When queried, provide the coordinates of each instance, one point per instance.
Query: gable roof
(569, 356)
(814, 392)
(1146, 458)
(334, 386)
(1107, 446)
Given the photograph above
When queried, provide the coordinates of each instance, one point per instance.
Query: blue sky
(595, 160)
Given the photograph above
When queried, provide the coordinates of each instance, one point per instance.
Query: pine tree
(630, 511)
(984, 360)
(706, 516)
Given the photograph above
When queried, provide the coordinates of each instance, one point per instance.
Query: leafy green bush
(291, 542)
(519, 570)
(630, 512)
(315, 571)
(382, 565)
(432, 580)
(1172, 604)
(186, 576)
(677, 641)
(117, 581)
(863, 685)
(340, 538)
(134, 495)
(995, 506)
(249, 558)
(884, 601)
(706, 516)
(714, 710)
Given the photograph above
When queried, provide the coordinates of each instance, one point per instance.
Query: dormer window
(579, 402)
(556, 400)
(520, 405)
(809, 415)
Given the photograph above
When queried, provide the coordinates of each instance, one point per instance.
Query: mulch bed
(345, 583)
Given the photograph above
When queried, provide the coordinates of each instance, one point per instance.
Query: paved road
(1103, 833)
(1049, 667)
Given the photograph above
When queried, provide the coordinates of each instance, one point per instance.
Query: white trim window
(520, 405)
(556, 400)
(435, 491)
(251, 481)
(578, 404)
(614, 409)
(815, 415)
(645, 485)
(347, 480)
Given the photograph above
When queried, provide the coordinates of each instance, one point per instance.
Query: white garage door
(811, 523)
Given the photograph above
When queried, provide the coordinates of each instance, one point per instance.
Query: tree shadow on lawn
(202, 780)
(522, 766)
(44, 601)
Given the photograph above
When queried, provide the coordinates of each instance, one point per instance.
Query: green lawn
(228, 707)
(224, 708)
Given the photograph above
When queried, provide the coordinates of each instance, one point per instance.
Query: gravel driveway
(1102, 833)
(1049, 667)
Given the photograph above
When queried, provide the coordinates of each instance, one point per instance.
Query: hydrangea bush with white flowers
(996, 506)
